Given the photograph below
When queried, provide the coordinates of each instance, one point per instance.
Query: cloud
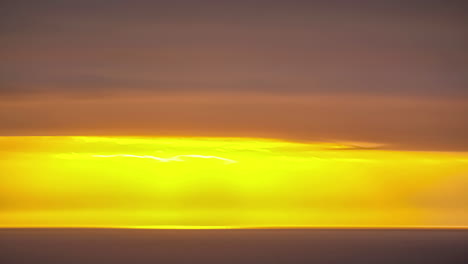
(396, 122)
(171, 159)
(387, 73)
(90, 48)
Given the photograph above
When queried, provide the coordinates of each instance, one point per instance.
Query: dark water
(101, 246)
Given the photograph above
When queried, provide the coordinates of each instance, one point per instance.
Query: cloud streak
(171, 159)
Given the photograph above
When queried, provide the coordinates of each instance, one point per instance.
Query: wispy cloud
(171, 159)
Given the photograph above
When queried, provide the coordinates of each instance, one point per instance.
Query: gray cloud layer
(322, 47)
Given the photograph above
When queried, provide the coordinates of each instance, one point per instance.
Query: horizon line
(201, 227)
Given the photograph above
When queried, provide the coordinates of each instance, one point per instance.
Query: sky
(205, 113)
(148, 182)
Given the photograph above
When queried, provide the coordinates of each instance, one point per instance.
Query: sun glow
(225, 182)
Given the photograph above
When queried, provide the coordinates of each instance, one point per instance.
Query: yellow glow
(226, 183)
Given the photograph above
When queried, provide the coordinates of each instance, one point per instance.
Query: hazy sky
(391, 72)
(361, 105)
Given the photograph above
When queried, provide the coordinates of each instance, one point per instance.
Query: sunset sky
(225, 113)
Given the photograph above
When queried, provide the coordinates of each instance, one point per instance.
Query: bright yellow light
(225, 182)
